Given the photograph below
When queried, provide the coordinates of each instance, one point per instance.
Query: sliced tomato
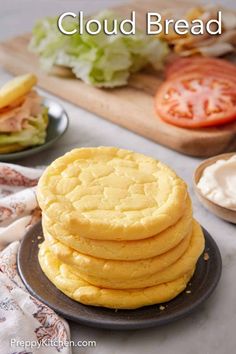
(204, 71)
(196, 100)
(177, 65)
(188, 65)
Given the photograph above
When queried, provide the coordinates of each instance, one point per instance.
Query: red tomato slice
(177, 65)
(206, 70)
(185, 65)
(195, 101)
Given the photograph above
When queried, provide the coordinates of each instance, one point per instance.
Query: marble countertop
(211, 330)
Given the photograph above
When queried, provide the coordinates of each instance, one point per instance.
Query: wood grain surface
(131, 107)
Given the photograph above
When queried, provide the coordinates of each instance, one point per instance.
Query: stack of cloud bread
(118, 228)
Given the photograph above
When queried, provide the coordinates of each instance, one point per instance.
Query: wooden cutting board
(131, 107)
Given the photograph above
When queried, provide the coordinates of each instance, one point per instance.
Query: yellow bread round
(123, 250)
(16, 88)
(6, 149)
(119, 271)
(79, 290)
(111, 194)
(128, 280)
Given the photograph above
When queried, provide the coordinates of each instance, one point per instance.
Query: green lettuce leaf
(100, 60)
(33, 134)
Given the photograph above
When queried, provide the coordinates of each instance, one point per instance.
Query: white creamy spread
(218, 183)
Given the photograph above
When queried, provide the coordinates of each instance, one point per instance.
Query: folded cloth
(18, 204)
(26, 324)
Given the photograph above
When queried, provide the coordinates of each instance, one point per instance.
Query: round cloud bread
(79, 290)
(111, 194)
(6, 149)
(123, 250)
(116, 270)
(138, 274)
(16, 88)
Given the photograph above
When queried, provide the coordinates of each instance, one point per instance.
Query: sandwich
(23, 117)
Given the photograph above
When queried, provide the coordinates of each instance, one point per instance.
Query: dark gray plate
(203, 283)
(57, 126)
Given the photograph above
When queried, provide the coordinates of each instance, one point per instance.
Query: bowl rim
(198, 174)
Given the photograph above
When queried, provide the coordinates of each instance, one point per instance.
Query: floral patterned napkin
(26, 325)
